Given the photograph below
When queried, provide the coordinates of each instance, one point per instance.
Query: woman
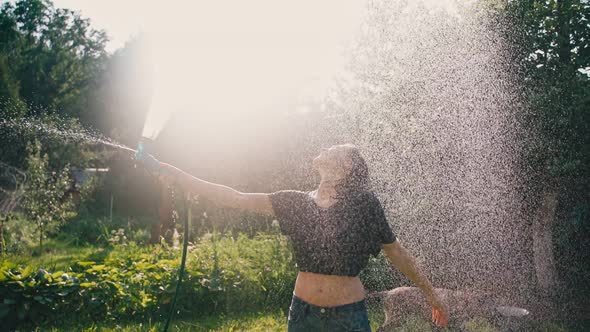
(334, 230)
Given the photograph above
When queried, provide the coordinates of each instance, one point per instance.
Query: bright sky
(120, 19)
(232, 54)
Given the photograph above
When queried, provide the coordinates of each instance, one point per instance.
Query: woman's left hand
(440, 314)
(440, 317)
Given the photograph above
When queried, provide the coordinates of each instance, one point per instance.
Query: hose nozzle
(143, 156)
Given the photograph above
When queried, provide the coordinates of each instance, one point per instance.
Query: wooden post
(111, 210)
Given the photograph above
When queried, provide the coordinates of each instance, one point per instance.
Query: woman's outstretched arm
(217, 193)
(401, 258)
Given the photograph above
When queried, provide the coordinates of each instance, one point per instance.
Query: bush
(223, 275)
(90, 229)
(19, 234)
(379, 275)
(26, 295)
(479, 324)
(47, 200)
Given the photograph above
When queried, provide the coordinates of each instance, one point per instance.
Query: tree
(552, 49)
(57, 55)
(12, 105)
(50, 58)
(46, 200)
(51, 63)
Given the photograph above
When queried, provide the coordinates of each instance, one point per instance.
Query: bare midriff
(328, 290)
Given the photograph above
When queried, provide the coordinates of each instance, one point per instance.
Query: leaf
(88, 284)
(96, 268)
(26, 272)
(39, 299)
(85, 264)
(9, 301)
(4, 311)
(21, 312)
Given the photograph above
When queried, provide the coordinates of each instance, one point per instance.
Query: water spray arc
(152, 165)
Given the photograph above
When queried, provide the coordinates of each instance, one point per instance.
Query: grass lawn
(246, 322)
(263, 321)
(58, 255)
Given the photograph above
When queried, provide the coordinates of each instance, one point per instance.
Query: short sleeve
(379, 226)
(286, 205)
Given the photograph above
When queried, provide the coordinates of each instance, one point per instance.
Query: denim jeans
(306, 317)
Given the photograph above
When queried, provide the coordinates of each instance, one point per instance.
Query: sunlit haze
(232, 56)
(469, 118)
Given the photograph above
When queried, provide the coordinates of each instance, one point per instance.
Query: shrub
(26, 295)
(46, 200)
(223, 275)
(479, 324)
(19, 234)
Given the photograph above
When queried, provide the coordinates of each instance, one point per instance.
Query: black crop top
(336, 240)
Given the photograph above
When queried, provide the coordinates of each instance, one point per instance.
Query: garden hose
(182, 260)
(152, 165)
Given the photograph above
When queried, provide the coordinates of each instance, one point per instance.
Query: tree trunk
(41, 239)
(564, 8)
(165, 227)
(2, 235)
(544, 258)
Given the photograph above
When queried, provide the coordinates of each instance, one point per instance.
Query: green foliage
(54, 53)
(244, 272)
(552, 51)
(12, 106)
(46, 201)
(478, 324)
(51, 63)
(63, 249)
(19, 233)
(257, 322)
(552, 326)
(224, 275)
(380, 276)
(413, 324)
(30, 295)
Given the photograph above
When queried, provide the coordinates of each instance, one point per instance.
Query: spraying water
(429, 98)
(432, 104)
(59, 129)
